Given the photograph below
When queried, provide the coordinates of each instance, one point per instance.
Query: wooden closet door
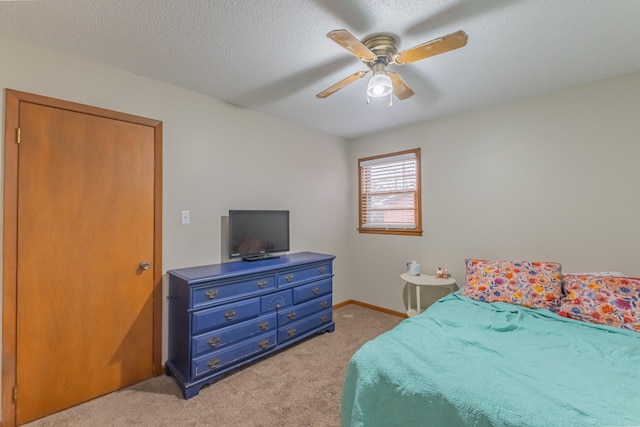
(85, 227)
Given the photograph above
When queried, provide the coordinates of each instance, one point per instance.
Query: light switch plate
(185, 217)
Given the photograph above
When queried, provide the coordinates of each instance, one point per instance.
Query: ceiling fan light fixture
(379, 85)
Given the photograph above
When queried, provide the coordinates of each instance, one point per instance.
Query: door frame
(10, 235)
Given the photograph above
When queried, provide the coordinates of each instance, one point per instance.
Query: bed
(475, 360)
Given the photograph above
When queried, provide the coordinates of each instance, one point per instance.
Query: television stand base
(260, 257)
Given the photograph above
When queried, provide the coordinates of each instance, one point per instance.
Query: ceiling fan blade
(345, 39)
(342, 83)
(432, 48)
(400, 88)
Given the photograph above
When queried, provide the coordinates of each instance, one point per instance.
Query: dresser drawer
(295, 329)
(294, 277)
(311, 290)
(220, 338)
(229, 314)
(293, 314)
(216, 293)
(216, 361)
(276, 301)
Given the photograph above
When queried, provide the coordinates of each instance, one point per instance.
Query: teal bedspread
(469, 363)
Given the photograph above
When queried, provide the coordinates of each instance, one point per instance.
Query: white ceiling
(273, 56)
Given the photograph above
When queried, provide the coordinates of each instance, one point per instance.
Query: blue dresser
(226, 315)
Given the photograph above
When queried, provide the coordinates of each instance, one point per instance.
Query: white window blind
(389, 191)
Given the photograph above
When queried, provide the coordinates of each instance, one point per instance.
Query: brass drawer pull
(324, 304)
(292, 315)
(213, 363)
(263, 344)
(230, 314)
(212, 293)
(288, 277)
(264, 325)
(291, 332)
(214, 341)
(262, 283)
(321, 270)
(324, 319)
(315, 291)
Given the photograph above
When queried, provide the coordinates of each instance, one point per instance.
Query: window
(390, 194)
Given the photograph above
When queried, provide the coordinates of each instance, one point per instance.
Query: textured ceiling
(273, 56)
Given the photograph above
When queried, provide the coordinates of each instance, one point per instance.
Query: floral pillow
(530, 284)
(608, 300)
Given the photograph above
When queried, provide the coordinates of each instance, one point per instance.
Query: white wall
(216, 157)
(551, 178)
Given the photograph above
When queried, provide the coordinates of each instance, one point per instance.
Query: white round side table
(420, 281)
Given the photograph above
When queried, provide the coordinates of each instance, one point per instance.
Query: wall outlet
(185, 217)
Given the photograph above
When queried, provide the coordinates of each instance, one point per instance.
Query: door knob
(144, 265)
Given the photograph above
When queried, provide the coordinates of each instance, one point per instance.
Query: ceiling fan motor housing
(384, 46)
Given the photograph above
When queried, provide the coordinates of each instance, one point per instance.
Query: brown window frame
(364, 164)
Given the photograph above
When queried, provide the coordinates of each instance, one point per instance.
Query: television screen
(255, 234)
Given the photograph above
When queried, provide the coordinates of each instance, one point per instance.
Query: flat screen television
(258, 234)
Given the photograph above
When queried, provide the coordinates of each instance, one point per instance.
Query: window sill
(394, 231)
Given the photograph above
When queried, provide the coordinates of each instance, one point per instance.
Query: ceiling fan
(379, 50)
